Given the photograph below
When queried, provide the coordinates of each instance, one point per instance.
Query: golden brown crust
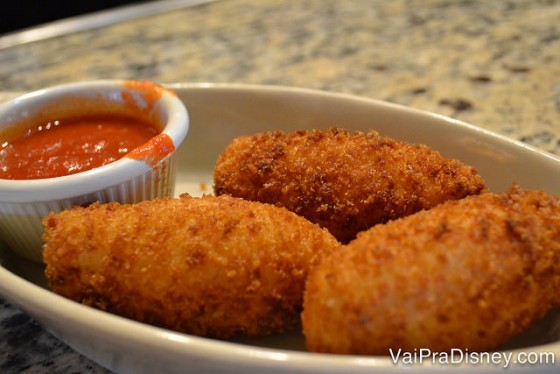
(467, 274)
(211, 266)
(344, 182)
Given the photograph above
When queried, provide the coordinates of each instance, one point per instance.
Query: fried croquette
(344, 182)
(213, 266)
(467, 274)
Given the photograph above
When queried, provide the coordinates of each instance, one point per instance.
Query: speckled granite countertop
(494, 64)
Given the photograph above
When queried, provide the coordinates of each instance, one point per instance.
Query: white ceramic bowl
(219, 113)
(24, 202)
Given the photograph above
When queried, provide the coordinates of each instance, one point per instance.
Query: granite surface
(494, 64)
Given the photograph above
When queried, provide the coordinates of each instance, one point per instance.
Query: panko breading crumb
(211, 266)
(467, 274)
(344, 182)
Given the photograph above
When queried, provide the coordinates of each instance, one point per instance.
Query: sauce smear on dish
(70, 146)
(155, 150)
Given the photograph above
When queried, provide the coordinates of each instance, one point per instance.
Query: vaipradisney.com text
(464, 356)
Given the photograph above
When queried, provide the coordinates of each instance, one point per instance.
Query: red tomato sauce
(71, 146)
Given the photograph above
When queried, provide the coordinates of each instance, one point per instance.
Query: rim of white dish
(89, 181)
(249, 87)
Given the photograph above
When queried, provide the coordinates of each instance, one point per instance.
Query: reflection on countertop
(490, 63)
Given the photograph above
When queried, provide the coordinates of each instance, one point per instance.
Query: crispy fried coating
(211, 266)
(344, 182)
(467, 274)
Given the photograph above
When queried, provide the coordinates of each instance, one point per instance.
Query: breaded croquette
(467, 274)
(344, 182)
(211, 266)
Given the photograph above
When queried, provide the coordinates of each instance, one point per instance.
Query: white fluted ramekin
(149, 174)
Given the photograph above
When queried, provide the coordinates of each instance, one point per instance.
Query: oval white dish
(220, 112)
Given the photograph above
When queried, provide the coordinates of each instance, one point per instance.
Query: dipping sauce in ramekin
(78, 143)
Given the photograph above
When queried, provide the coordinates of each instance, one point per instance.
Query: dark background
(22, 14)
